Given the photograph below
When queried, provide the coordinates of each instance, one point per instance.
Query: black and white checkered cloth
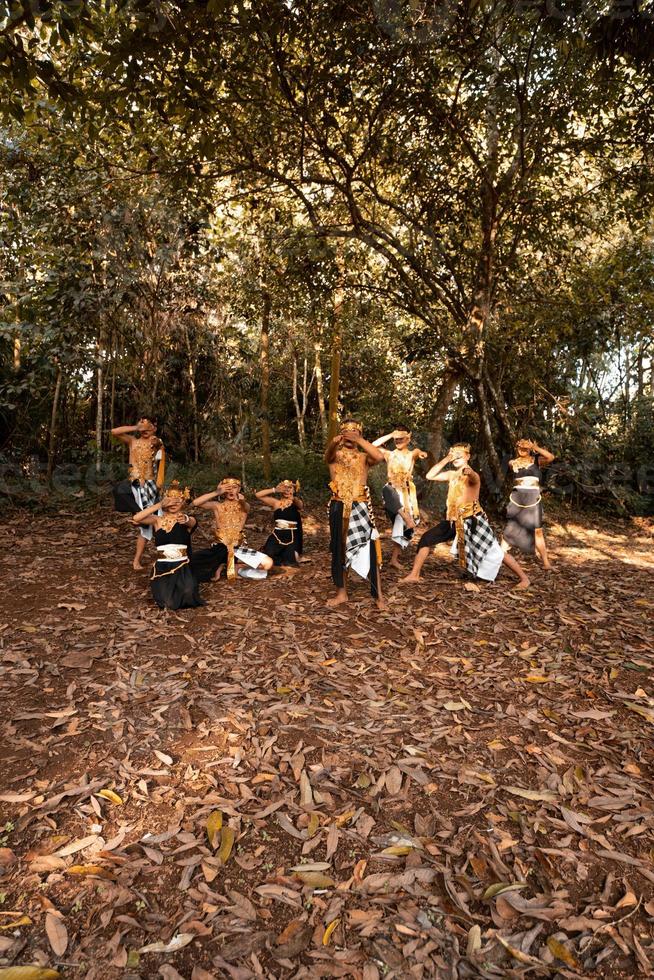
(359, 531)
(147, 494)
(246, 553)
(479, 539)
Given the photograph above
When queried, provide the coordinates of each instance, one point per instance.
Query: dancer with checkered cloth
(354, 539)
(466, 524)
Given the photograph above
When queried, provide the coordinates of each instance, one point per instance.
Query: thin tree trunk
(112, 402)
(500, 407)
(335, 378)
(194, 397)
(441, 407)
(264, 361)
(299, 413)
(52, 443)
(320, 390)
(487, 432)
(16, 352)
(99, 416)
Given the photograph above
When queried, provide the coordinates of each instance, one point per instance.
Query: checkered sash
(248, 556)
(145, 495)
(479, 539)
(359, 531)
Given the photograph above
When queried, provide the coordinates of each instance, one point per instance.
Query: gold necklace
(167, 521)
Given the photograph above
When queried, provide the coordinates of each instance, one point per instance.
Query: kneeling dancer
(172, 583)
(466, 524)
(285, 544)
(230, 511)
(354, 539)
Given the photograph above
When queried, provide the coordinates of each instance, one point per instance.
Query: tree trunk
(52, 443)
(441, 407)
(112, 402)
(299, 411)
(335, 377)
(487, 432)
(500, 407)
(264, 361)
(16, 353)
(99, 416)
(194, 397)
(319, 388)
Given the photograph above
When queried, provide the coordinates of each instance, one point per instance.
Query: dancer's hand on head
(422, 454)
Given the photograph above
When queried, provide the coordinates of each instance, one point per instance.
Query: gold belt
(472, 509)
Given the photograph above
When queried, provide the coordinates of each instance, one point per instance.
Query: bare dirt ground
(264, 787)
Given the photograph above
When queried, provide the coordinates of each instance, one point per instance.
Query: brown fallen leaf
(56, 932)
(562, 953)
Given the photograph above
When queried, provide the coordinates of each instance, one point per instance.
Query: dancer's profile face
(522, 449)
(148, 428)
(174, 505)
(460, 460)
(402, 440)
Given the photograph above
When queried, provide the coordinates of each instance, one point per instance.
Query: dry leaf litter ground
(268, 788)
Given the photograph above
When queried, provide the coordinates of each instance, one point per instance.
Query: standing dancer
(399, 493)
(466, 524)
(354, 540)
(524, 527)
(172, 583)
(230, 511)
(141, 489)
(285, 544)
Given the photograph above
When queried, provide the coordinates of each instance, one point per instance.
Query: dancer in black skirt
(524, 526)
(285, 544)
(173, 583)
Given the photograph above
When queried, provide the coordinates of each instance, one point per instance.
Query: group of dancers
(355, 543)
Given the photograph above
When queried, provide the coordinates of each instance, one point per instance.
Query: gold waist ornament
(464, 511)
(362, 497)
(229, 531)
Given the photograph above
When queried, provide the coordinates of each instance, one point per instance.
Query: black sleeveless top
(179, 534)
(532, 470)
(290, 513)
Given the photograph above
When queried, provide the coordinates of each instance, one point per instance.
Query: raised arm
(374, 454)
(435, 473)
(147, 516)
(545, 457)
(124, 433)
(206, 500)
(266, 497)
(332, 446)
(384, 439)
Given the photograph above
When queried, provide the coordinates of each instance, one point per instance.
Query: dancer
(141, 489)
(354, 540)
(466, 524)
(399, 493)
(524, 527)
(230, 511)
(285, 543)
(172, 583)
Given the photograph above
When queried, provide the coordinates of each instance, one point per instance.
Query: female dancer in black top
(285, 544)
(524, 527)
(173, 583)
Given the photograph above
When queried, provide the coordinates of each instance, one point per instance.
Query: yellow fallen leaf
(328, 931)
(537, 678)
(496, 745)
(108, 794)
(328, 663)
(313, 825)
(344, 817)
(562, 953)
(227, 838)
(315, 879)
(214, 824)
(499, 887)
(24, 920)
(533, 794)
(284, 690)
(645, 713)
(518, 954)
(90, 869)
(398, 850)
(28, 973)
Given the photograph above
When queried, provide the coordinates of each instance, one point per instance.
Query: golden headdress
(230, 481)
(462, 447)
(351, 426)
(289, 484)
(174, 490)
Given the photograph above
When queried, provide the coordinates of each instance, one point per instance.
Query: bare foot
(138, 567)
(219, 572)
(301, 560)
(381, 603)
(412, 578)
(337, 600)
(395, 564)
(547, 566)
(524, 583)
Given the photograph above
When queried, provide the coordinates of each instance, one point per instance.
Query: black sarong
(174, 586)
(441, 532)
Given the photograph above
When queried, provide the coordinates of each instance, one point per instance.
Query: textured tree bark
(99, 415)
(320, 390)
(264, 362)
(500, 407)
(335, 378)
(487, 432)
(194, 396)
(52, 442)
(300, 410)
(442, 404)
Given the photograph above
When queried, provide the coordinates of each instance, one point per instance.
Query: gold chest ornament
(400, 476)
(141, 467)
(229, 530)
